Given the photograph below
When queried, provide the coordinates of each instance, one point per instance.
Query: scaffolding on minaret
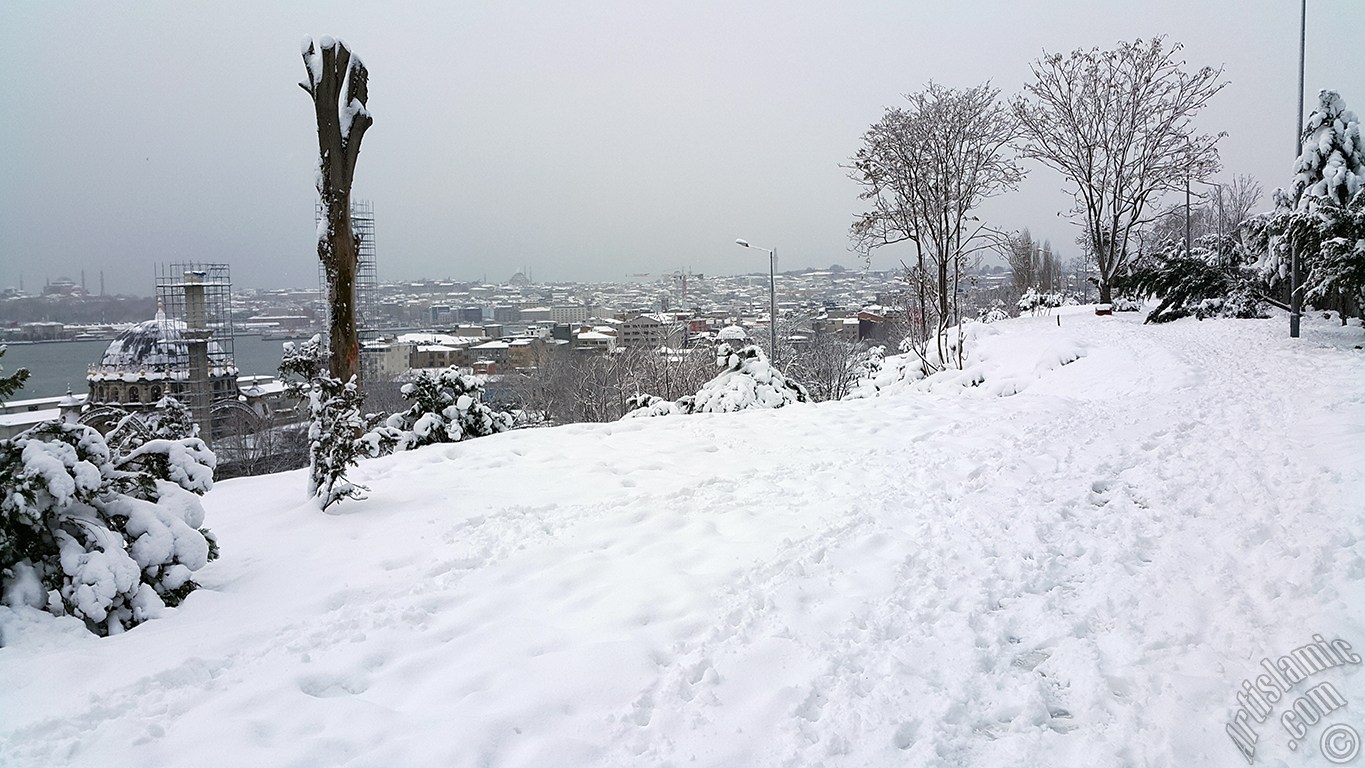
(196, 305)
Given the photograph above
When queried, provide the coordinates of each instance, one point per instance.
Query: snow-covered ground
(1078, 574)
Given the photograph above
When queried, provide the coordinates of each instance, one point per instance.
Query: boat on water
(283, 335)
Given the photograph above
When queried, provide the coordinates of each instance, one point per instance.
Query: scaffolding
(366, 298)
(195, 302)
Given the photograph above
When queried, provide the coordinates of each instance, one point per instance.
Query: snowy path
(1080, 574)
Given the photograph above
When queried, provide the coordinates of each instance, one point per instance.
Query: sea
(55, 365)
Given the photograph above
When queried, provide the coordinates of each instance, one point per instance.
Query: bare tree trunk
(341, 126)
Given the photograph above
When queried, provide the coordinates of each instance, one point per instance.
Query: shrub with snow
(447, 407)
(109, 539)
(644, 405)
(994, 364)
(994, 314)
(746, 380)
(1035, 301)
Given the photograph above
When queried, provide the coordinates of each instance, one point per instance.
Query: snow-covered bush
(109, 539)
(1035, 300)
(171, 420)
(994, 314)
(644, 405)
(915, 362)
(1126, 304)
(336, 426)
(447, 407)
(995, 364)
(746, 380)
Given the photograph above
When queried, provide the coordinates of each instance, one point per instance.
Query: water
(53, 365)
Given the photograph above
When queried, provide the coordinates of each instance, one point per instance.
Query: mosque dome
(156, 349)
(152, 359)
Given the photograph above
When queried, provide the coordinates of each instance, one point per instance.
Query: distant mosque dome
(151, 360)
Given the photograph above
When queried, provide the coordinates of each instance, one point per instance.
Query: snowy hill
(1080, 573)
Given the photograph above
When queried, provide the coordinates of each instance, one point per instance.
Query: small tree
(336, 426)
(1118, 125)
(925, 169)
(828, 365)
(333, 71)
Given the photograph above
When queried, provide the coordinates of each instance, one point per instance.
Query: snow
(1080, 573)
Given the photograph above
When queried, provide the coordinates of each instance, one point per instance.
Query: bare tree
(925, 168)
(1118, 125)
(333, 71)
(828, 366)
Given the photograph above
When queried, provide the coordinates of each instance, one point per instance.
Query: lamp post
(772, 297)
(1294, 306)
(1220, 217)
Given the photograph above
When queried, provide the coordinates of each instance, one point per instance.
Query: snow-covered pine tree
(446, 407)
(1320, 213)
(110, 540)
(336, 426)
(13, 382)
(1212, 280)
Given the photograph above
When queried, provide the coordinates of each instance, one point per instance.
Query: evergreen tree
(1320, 214)
(1203, 283)
(336, 426)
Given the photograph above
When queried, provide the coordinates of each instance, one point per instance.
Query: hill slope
(1078, 574)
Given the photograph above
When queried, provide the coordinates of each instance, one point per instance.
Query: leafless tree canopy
(566, 387)
(332, 71)
(1118, 125)
(925, 168)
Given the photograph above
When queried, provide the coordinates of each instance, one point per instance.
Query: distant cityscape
(515, 308)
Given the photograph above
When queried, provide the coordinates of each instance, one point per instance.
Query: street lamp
(1220, 216)
(1295, 308)
(772, 296)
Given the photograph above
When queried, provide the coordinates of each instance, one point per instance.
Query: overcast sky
(584, 141)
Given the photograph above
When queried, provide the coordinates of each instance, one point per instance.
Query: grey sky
(582, 140)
